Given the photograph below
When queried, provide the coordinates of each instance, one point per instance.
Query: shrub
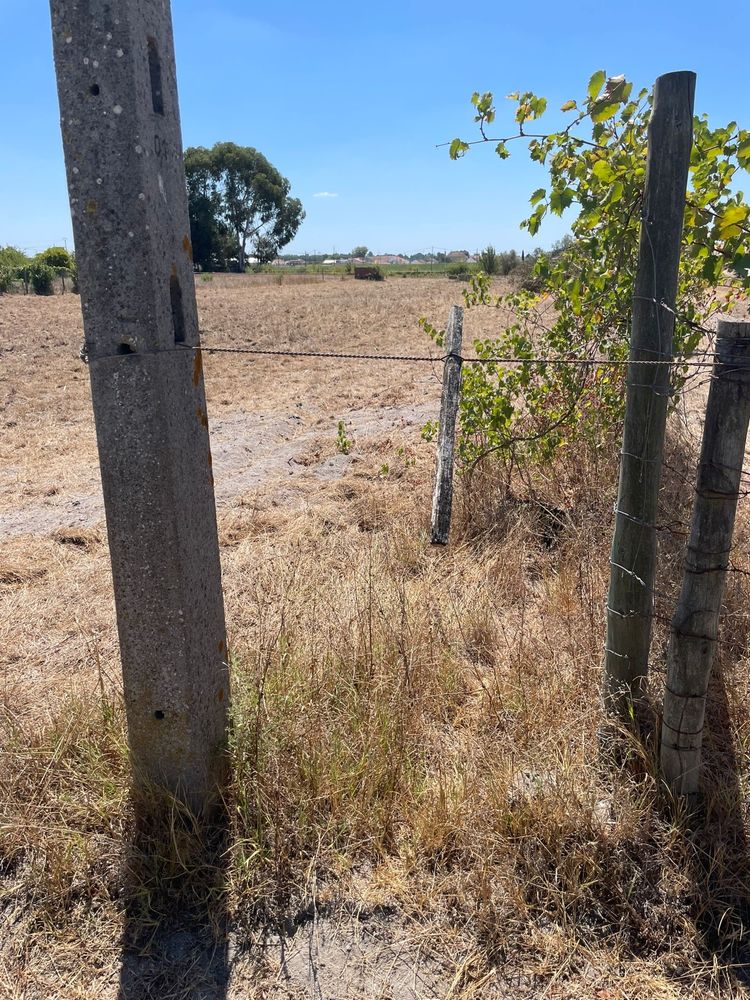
(13, 258)
(489, 260)
(508, 262)
(58, 258)
(13, 263)
(459, 272)
(42, 279)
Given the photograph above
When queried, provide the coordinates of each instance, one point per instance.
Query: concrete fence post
(123, 154)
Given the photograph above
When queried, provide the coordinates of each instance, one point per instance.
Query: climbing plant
(579, 306)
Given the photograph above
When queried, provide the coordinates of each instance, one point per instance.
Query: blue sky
(349, 97)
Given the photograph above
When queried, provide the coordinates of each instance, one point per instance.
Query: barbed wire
(433, 359)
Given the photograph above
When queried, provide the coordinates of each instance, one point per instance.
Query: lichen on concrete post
(123, 154)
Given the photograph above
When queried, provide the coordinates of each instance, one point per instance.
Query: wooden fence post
(696, 620)
(633, 559)
(123, 153)
(442, 500)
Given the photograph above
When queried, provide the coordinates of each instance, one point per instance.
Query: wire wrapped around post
(696, 621)
(442, 501)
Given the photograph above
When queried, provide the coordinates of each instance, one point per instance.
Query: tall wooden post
(633, 560)
(696, 620)
(123, 155)
(442, 499)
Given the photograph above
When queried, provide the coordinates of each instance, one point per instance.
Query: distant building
(388, 258)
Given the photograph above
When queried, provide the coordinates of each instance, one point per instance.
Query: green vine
(596, 165)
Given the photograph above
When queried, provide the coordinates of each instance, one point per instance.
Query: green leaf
(537, 196)
(568, 106)
(741, 265)
(602, 170)
(596, 83)
(615, 193)
(605, 111)
(502, 151)
(457, 149)
(535, 221)
(712, 268)
(561, 199)
(729, 223)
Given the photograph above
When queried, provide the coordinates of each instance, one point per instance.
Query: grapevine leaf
(596, 83)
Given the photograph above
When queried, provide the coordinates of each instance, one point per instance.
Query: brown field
(417, 807)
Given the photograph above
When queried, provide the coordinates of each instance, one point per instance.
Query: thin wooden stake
(442, 499)
(696, 620)
(633, 560)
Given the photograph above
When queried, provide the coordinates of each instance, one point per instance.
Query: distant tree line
(39, 273)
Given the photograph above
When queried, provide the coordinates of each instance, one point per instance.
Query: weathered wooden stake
(442, 500)
(123, 154)
(633, 560)
(696, 620)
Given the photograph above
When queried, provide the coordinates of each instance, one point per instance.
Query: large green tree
(239, 205)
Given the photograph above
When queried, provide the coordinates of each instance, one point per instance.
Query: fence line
(707, 363)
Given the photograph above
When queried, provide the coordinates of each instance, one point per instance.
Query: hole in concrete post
(125, 348)
(154, 69)
(178, 316)
(94, 90)
(158, 714)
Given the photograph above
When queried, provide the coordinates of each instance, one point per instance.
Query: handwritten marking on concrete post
(442, 500)
(123, 154)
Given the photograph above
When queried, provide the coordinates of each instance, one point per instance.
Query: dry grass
(414, 750)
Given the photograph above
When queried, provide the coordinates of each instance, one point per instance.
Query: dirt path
(249, 450)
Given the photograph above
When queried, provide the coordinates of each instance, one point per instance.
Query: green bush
(489, 260)
(13, 258)
(459, 272)
(13, 263)
(508, 262)
(58, 258)
(42, 279)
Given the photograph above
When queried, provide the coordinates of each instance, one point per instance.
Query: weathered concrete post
(123, 154)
